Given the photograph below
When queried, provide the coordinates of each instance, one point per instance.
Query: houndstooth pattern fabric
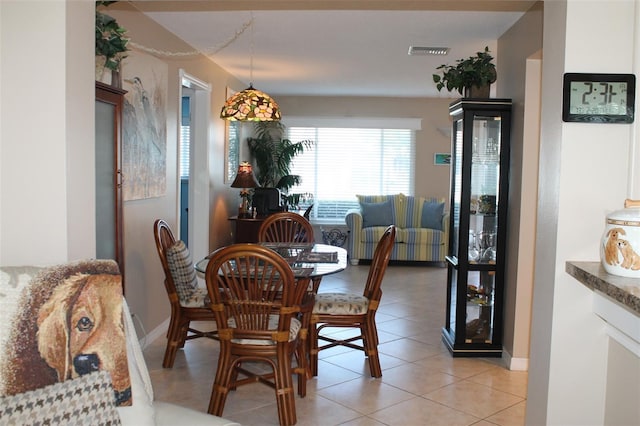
(87, 400)
(340, 304)
(294, 329)
(183, 274)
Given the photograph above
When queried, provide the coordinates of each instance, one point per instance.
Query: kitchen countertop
(624, 290)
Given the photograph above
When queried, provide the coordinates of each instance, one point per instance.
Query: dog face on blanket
(80, 330)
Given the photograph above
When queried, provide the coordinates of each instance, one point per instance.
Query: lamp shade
(250, 105)
(245, 177)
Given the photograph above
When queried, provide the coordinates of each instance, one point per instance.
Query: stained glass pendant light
(250, 104)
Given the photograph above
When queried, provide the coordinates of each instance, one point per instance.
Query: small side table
(246, 229)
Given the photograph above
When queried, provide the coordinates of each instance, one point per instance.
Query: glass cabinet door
(477, 227)
(483, 227)
(456, 245)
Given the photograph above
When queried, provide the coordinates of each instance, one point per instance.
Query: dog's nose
(86, 363)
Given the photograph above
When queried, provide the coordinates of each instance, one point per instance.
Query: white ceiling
(337, 52)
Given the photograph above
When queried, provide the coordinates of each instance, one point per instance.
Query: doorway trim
(198, 238)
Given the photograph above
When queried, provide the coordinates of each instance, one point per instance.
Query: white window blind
(344, 162)
(185, 138)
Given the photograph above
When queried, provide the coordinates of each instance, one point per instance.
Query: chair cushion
(377, 214)
(197, 298)
(340, 304)
(273, 325)
(85, 400)
(432, 215)
(182, 271)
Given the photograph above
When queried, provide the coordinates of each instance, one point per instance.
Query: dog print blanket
(60, 323)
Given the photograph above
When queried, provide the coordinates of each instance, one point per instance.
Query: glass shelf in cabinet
(482, 302)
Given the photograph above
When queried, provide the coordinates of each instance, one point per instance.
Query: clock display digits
(587, 93)
(607, 93)
(600, 98)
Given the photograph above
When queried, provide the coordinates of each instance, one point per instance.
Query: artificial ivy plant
(110, 40)
(476, 71)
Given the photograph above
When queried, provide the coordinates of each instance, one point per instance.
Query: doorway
(184, 160)
(192, 208)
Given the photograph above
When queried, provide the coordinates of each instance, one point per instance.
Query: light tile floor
(421, 383)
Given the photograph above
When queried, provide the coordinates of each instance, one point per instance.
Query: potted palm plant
(471, 77)
(273, 155)
(111, 44)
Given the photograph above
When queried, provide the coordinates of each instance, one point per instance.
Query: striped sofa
(422, 227)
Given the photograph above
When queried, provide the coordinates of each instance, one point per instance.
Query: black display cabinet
(477, 235)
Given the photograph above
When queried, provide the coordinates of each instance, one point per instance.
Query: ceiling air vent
(423, 51)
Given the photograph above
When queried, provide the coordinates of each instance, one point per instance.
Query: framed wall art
(144, 131)
(442, 159)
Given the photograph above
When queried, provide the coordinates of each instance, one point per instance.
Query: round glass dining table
(306, 260)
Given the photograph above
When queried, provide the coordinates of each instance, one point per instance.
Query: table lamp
(244, 179)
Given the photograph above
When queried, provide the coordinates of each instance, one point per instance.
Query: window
(185, 137)
(344, 162)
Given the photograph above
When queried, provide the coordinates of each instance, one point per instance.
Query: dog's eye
(84, 324)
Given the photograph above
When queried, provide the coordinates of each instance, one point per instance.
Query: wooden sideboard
(246, 229)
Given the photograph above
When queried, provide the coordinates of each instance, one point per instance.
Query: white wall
(583, 174)
(46, 121)
(80, 117)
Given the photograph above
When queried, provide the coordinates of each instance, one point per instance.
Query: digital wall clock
(598, 98)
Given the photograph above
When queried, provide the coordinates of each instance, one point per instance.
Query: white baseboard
(514, 364)
(159, 331)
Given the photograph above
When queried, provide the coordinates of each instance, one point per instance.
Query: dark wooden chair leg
(173, 343)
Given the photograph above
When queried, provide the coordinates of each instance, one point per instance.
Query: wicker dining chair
(307, 212)
(256, 301)
(188, 301)
(289, 227)
(353, 311)
(286, 227)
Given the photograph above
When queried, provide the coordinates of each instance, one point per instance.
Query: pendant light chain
(252, 47)
(250, 104)
(207, 51)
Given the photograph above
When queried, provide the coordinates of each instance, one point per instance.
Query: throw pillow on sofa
(432, 215)
(377, 214)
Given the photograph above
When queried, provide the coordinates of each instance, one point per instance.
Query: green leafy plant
(476, 71)
(274, 155)
(110, 40)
